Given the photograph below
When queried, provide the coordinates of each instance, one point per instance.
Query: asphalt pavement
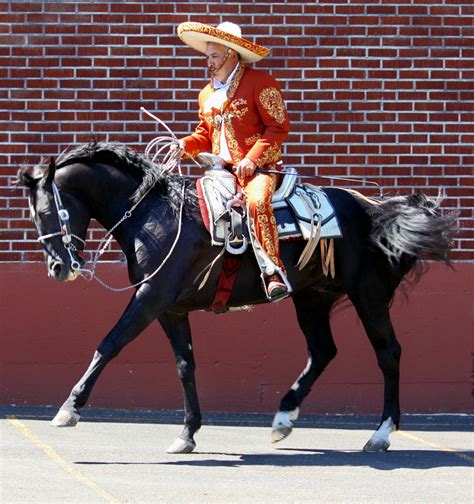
(119, 456)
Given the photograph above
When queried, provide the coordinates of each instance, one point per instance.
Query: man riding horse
(243, 119)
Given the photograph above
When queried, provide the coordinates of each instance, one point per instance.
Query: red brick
(108, 19)
(369, 84)
(460, 41)
(349, 9)
(381, 117)
(23, 29)
(413, 138)
(445, 160)
(395, 149)
(333, 127)
(446, 32)
(13, 18)
(160, 7)
(444, 138)
(331, 20)
(457, 21)
(381, 9)
(364, 149)
(349, 95)
(413, 9)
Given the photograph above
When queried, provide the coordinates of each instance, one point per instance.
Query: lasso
(172, 159)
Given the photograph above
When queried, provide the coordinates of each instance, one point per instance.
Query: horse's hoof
(280, 434)
(376, 445)
(65, 418)
(181, 446)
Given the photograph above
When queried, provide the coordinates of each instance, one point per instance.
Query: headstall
(64, 229)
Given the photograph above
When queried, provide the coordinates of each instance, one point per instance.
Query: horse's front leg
(176, 327)
(140, 312)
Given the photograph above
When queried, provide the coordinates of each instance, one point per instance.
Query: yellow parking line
(437, 446)
(60, 461)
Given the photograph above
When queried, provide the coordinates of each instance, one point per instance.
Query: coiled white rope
(171, 148)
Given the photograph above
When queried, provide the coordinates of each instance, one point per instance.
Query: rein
(90, 274)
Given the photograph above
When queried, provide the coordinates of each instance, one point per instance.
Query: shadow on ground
(292, 457)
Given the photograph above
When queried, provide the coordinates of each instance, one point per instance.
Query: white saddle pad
(297, 209)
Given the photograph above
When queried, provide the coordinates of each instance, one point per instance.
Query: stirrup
(278, 288)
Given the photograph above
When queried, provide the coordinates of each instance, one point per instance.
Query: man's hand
(245, 168)
(178, 146)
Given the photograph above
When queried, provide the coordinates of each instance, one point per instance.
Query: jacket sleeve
(272, 110)
(200, 140)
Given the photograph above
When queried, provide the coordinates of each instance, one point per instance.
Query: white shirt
(216, 100)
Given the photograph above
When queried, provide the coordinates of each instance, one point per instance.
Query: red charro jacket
(255, 120)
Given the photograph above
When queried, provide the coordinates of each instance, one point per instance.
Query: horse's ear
(51, 170)
(24, 179)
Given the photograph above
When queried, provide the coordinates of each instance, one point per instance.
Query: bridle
(64, 229)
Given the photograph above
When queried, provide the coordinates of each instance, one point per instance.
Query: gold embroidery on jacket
(213, 119)
(272, 101)
(251, 141)
(234, 84)
(238, 108)
(232, 143)
(270, 155)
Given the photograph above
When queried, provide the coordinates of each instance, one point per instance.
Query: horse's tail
(412, 227)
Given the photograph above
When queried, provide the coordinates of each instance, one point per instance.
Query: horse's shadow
(297, 457)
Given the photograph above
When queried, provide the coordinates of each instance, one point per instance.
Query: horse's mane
(149, 175)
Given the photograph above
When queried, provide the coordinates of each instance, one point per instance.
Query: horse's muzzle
(59, 270)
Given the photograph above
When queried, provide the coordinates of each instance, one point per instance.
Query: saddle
(302, 211)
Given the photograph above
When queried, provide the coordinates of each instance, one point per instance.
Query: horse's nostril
(56, 268)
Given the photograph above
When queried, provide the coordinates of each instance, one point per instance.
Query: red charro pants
(258, 191)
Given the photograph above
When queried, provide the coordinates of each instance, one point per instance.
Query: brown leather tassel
(332, 266)
(323, 256)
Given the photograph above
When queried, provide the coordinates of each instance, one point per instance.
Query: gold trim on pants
(258, 191)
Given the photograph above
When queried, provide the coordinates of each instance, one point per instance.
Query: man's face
(216, 53)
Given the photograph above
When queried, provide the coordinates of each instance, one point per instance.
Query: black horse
(382, 242)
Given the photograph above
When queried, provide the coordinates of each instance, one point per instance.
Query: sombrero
(197, 35)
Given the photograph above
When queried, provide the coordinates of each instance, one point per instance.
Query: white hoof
(283, 424)
(380, 442)
(375, 445)
(65, 418)
(280, 434)
(181, 446)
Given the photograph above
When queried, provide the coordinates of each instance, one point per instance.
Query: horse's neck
(105, 190)
(109, 191)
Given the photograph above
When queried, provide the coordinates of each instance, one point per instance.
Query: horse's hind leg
(178, 331)
(313, 318)
(140, 312)
(378, 326)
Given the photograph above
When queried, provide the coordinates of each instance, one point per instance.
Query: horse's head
(59, 217)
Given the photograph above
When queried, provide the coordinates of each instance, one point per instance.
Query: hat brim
(198, 35)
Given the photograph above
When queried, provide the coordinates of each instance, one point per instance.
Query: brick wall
(374, 88)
